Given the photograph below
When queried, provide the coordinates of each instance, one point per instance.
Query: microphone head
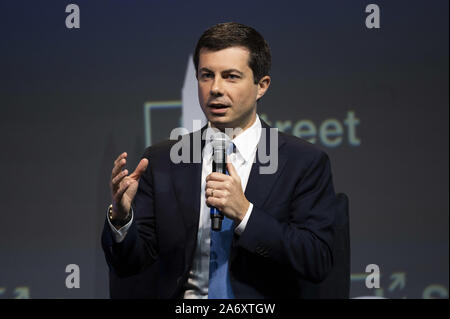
(220, 143)
(220, 139)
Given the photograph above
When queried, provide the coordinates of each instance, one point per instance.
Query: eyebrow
(233, 70)
(224, 71)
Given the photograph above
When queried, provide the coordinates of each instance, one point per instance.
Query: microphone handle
(216, 215)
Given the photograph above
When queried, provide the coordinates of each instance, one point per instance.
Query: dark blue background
(72, 100)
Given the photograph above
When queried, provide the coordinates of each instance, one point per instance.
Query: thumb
(231, 170)
(142, 166)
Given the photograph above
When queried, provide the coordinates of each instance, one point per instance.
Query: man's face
(226, 89)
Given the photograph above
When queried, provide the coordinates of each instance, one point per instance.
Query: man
(281, 224)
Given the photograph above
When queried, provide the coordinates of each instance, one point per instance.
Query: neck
(232, 132)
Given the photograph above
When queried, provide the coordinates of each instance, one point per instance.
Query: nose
(217, 87)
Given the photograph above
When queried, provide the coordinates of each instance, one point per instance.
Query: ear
(263, 85)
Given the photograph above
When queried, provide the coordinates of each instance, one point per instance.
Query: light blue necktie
(219, 276)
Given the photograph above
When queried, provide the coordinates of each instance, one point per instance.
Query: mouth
(218, 108)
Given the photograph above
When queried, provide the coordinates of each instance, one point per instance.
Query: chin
(220, 123)
(216, 121)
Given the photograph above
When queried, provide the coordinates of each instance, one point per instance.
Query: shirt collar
(247, 141)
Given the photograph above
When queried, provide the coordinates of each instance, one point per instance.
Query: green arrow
(398, 280)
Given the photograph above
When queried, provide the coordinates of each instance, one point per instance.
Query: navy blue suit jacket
(287, 240)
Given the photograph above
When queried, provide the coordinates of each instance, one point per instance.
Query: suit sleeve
(138, 249)
(304, 242)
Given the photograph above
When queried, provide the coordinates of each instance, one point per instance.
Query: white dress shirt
(246, 146)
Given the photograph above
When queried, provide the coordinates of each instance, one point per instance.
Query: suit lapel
(186, 179)
(260, 185)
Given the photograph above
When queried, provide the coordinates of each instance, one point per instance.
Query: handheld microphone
(220, 143)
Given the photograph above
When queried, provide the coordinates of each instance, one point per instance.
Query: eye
(233, 76)
(206, 75)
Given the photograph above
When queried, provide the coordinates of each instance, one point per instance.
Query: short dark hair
(232, 34)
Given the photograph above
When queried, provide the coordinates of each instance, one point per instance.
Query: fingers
(216, 198)
(231, 170)
(116, 180)
(218, 185)
(117, 196)
(218, 193)
(215, 202)
(120, 180)
(119, 164)
(214, 176)
(123, 155)
(117, 174)
(142, 166)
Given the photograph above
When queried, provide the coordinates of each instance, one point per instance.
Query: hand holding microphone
(224, 192)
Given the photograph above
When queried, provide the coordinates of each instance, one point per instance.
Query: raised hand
(123, 186)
